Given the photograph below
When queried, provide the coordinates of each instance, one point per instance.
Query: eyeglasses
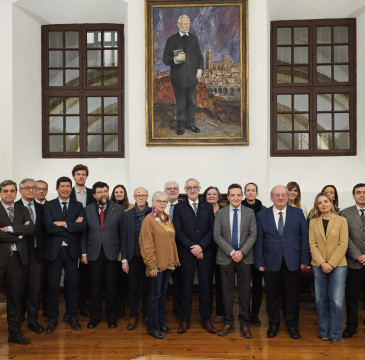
(191, 188)
(279, 195)
(29, 188)
(140, 196)
(161, 202)
(12, 191)
(172, 188)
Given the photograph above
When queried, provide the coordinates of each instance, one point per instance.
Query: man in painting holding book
(182, 53)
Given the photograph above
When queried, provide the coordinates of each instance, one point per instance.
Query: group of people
(100, 240)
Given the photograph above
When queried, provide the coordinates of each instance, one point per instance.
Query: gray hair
(6, 183)
(276, 186)
(157, 194)
(25, 181)
(140, 187)
(42, 181)
(182, 16)
(191, 179)
(171, 182)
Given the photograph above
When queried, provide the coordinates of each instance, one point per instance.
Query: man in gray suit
(101, 249)
(355, 257)
(235, 235)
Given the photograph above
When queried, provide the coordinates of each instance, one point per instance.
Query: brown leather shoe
(209, 327)
(52, 326)
(183, 328)
(226, 329)
(246, 332)
(75, 325)
(132, 323)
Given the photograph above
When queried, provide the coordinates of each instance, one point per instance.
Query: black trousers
(15, 274)
(256, 297)
(283, 283)
(185, 105)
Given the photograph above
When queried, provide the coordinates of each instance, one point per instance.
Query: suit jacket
(356, 246)
(21, 216)
(223, 238)
(194, 230)
(184, 74)
(56, 234)
(332, 246)
(39, 231)
(128, 234)
(89, 195)
(270, 246)
(109, 236)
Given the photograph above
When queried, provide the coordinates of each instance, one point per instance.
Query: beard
(103, 200)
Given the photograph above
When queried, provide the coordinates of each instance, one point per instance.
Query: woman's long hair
(335, 202)
(315, 211)
(125, 201)
(291, 185)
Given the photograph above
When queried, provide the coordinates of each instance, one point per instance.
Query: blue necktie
(281, 223)
(235, 230)
(171, 211)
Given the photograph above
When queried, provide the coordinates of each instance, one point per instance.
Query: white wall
(151, 166)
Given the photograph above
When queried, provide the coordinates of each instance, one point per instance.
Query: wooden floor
(103, 343)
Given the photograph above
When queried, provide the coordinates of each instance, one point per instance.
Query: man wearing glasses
(132, 261)
(193, 221)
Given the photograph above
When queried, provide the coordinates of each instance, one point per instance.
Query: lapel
(111, 211)
(4, 215)
(180, 41)
(243, 220)
(356, 216)
(271, 220)
(320, 228)
(227, 223)
(191, 211)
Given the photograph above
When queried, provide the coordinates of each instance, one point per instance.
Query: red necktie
(101, 216)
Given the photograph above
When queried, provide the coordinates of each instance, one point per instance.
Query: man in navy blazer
(193, 221)
(281, 251)
(64, 223)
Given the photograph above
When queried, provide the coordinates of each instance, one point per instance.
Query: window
(82, 90)
(313, 87)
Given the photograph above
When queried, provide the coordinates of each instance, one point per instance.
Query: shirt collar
(6, 207)
(231, 208)
(359, 208)
(25, 202)
(192, 202)
(276, 211)
(182, 34)
(62, 201)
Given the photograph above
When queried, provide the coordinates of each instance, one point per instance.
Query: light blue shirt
(231, 213)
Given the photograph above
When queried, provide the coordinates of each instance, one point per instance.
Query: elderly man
(41, 192)
(182, 53)
(193, 221)
(281, 251)
(132, 261)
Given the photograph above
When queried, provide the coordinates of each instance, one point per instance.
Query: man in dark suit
(15, 226)
(101, 249)
(193, 221)
(281, 251)
(41, 192)
(235, 235)
(64, 223)
(355, 257)
(182, 53)
(27, 189)
(132, 261)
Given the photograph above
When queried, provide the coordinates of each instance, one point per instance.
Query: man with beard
(101, 249)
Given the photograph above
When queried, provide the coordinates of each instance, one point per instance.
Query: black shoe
(165, 329)
(294, 333)
(112, 324)
(254, 320)
(156, 334)
(272, 331)
(52, 326)
(348, 333)
(35, 326)
(66, 317)
(180, 130)
(193, 128)
(84, 311)
(93, 323)
(75, 325)
(18, 338)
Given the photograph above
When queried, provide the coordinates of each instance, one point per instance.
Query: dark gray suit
(222, 236)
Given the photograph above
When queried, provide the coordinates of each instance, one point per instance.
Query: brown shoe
(52, 326)
(183, 328)
(246, 332)
(75, 325)
(226, 329)
(209, 327)
(132, 323)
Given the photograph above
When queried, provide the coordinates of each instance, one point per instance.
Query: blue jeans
(157, 300)
(330, 296)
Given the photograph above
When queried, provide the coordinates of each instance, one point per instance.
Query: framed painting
(196, 72)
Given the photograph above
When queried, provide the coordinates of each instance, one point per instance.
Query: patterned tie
(11, 213)
(171, 211)
(362, 217)
(101, 216)
(281, 223)
(195, 209)
(235, 230)
(64, 210)
(31, 213)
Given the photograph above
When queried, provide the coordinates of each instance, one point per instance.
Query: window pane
(284, 55)
(94, 105)
(55, 78)
(94, 58)
(55, 105)
(55, 40)
(301, 102)
(111, 143)
(324, 102)
(323, 54)
(340, 34)
(284, 142)
(341, 73)
(94, 143)
(110, 57)
(301, 55)
(56, 59)
(341, 102)
(72, 39)
(324, 121)
(341, 53)
(56, 143)
(110, 39)
(301, 74)
(94, 77)
(94, 124)
(72, 143)
(323, 35)
(283, 103)
(342, 121)
(342, 141)
(93, 39)
(110, 77)
(72, 105)
(284, 122)
(283, 36)
(111, 124)
(324, 141)
(300, 35)
(72, 124)
(72, 58)
(110, 105)
(301, 122)
(55, 124)
(283, 74)
(72, 78)
(324, 73)
(301, 141)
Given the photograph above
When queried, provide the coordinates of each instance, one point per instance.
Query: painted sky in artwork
(216, 27)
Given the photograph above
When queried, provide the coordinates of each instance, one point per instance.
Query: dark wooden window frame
(313, 87)
(82, 92)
